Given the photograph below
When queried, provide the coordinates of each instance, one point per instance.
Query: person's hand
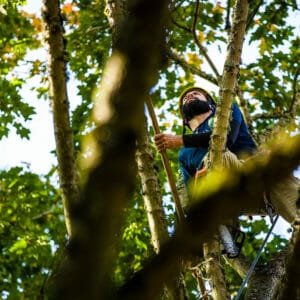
(166, 141)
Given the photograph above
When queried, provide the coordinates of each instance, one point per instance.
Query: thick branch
(154, 206)
(115, 11)
(212, 256)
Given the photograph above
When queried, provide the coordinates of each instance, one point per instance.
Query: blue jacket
(239, 141)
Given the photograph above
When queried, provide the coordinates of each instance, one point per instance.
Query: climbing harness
(251, 269)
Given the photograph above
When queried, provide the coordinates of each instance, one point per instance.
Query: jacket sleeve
(235, 124)
(202, 139)
(197, 140)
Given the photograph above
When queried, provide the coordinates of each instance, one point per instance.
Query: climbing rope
(251, 269)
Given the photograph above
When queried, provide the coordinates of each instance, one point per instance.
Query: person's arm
(235, 124)
(196, 139)
(202, 139)
(166, 141)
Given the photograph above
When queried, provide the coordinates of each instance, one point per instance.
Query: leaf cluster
(17, 37)
(88, 47)
(31, 229)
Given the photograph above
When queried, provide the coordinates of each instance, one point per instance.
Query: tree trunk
(115, 11)
(291, 289)
(214, 270)
(228, 83)
(266, 280)
(221, 125)
(151, 192)
(110, 166)
(68, 174)
(154, 208)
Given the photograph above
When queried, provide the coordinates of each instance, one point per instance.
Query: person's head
(194, 101)
(195, 92)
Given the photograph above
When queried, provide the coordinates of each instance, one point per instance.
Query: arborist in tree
(197, 109)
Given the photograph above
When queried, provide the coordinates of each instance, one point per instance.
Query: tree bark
(151, 192)
(155, 211)
(68, 173)
(212, 256)
(240, 264)
(291, 289)
(266, 280)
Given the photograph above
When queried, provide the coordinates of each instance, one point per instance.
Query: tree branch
(198, 43)
(178, 59)
(227, 24)
(229, 80)
(296, 98)
(179, 25)
(252, 14)
(267, 116)
(243, 106)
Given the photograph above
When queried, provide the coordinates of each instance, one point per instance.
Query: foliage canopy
(31, 226)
